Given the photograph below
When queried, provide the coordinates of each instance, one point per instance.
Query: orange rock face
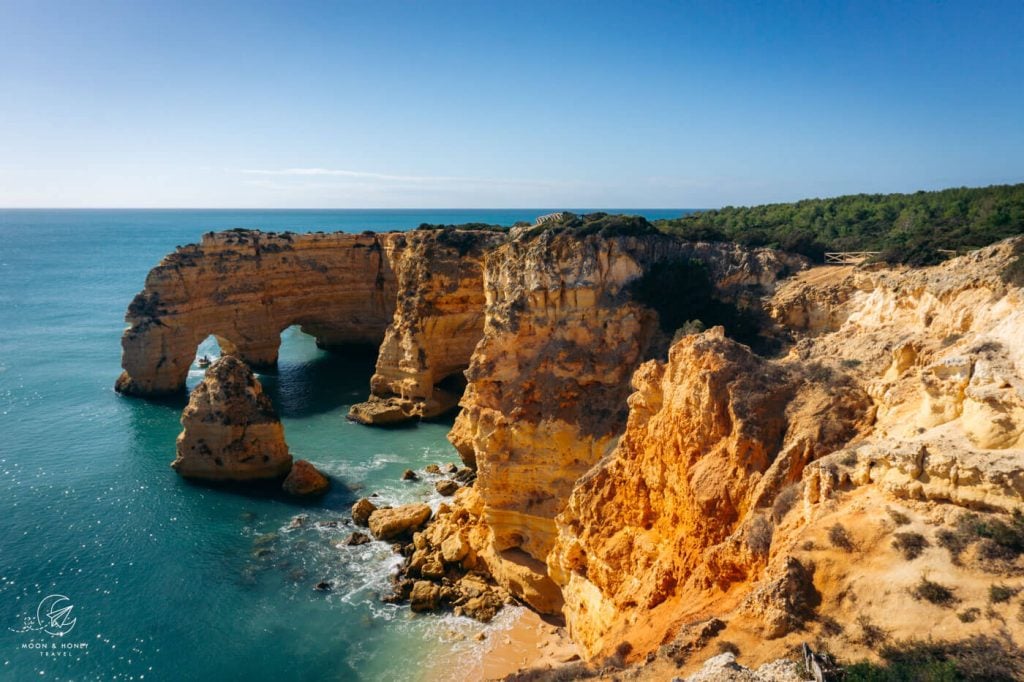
(231, 431)
(304, 480)
(438, 320)
(548, 383)
(713, 435)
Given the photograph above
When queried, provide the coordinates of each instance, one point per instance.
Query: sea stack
(231, 431)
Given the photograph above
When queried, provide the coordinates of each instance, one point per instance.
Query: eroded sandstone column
(231, 431)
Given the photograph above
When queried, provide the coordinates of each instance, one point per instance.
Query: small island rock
(230, 429)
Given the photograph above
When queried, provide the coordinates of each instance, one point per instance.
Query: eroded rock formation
(779, 495)
(245, 287)
(548, 383)
(713, 436)
(725, 495)
(437, 323)
(231, 431)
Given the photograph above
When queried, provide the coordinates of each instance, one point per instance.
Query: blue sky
(488, 104)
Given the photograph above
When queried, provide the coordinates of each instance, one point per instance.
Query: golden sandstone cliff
(854, 480)
(245, 287)
(548, 382)
(231, 430)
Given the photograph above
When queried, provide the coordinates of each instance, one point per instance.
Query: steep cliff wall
(667, 518)
(245, 287)
(438, 320)
(548, 382)
(782, 494)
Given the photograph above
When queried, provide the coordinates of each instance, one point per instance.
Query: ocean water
(168, 580)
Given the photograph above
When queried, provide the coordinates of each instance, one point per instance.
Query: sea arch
(245, 287)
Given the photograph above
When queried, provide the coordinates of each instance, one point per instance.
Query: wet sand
(531, 642)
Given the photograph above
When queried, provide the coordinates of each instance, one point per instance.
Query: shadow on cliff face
(684, 296)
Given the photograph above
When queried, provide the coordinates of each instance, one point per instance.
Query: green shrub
(969, 615)
(898, 517)
(1000, 594)
(784, 501)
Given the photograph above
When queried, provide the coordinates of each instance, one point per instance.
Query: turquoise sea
(168, 580)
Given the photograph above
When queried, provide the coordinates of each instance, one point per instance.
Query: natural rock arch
(245, 287)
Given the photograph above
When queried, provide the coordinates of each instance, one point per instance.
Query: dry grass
(933, 592)
(840, 539)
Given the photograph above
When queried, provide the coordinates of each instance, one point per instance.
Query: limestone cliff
(230, 429)
(438, 320)
(548, 382)
(246, 286)
(825, 493)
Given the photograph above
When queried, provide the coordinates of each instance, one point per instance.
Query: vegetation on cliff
(683, 295)
(906, 228)
(599, 223)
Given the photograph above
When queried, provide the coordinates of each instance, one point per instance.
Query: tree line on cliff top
(905, 228)
(914, 229)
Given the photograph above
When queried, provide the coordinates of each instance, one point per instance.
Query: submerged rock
(380, 412)
(446, 487)
(355, 539)
(231, 431)
(304, 480)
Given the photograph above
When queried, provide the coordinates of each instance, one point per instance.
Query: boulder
(483, 608)
(304, 480)
(410, 475)
(361, 511)
(433, 569)
(425, 596)
(386, 524)
(454, 548)
(446, 487)
(380, 412)
(230, 429)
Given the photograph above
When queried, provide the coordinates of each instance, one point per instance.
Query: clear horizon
(337, 106)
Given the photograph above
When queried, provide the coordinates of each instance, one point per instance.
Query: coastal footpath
(826, 454)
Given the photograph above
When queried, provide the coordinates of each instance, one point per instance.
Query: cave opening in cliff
(308, 379)
(684, 296)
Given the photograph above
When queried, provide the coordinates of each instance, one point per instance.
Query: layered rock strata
(548, 382)
(230, 428)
